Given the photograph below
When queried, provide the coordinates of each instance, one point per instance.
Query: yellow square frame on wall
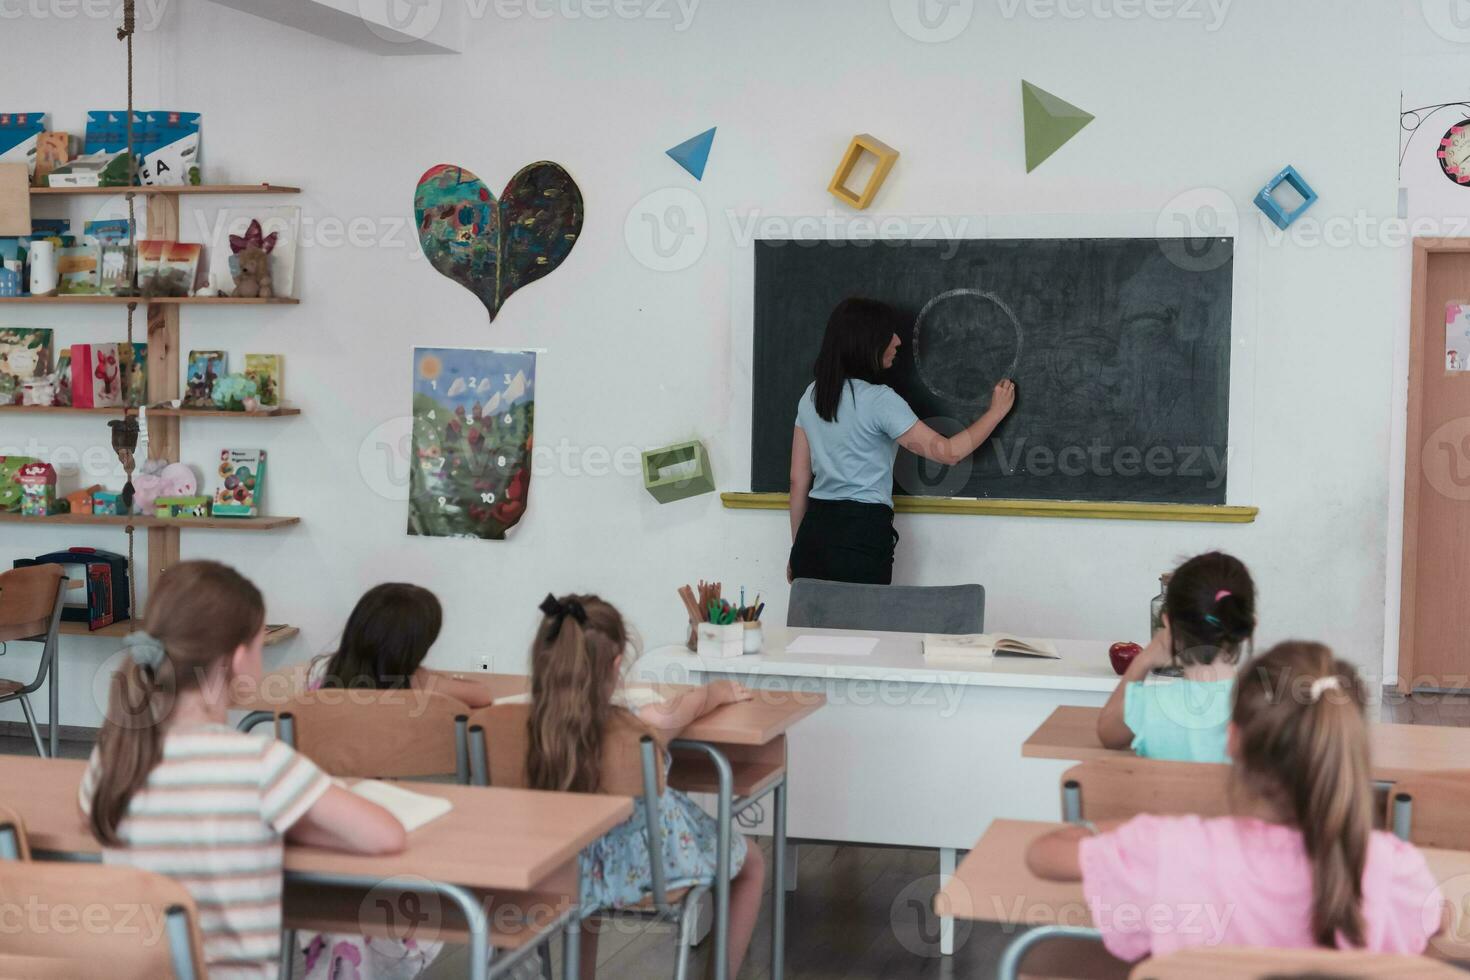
(860, 144)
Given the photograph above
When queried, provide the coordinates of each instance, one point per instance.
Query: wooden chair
(1429, 810)
(31, 600)
(631, 766)
(13, 843)
(102, 921)
(366, 734)
(1228, 963)
(1116, 789)
(370, 734)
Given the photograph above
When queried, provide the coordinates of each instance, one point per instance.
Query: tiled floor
(861, 913)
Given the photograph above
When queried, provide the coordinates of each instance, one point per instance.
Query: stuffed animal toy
(250, 261)
(254, 278)
(157, 478)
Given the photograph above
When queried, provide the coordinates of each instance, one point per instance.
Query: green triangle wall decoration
(1050, 123)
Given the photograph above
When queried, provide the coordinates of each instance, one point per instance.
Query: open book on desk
(984, 647)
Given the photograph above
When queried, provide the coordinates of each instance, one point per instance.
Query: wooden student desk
(993, 884)
(1397, 750)
(497, 849)
(737, 753)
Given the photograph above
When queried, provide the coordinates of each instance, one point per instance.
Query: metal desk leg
(54, 694)
(9, 844)
(474, 915)
(1010, 961)
(722, 869)
(722, 857)
(778, 881)
(571, 947)
(180, 945)
(946, 923)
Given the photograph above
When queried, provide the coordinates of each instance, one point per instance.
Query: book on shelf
(983, 647)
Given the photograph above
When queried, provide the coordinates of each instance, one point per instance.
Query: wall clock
(1454, 152)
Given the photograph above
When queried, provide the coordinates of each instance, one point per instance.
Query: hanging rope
(125, 34)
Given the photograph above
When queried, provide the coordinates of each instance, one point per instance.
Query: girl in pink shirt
(1299, 866)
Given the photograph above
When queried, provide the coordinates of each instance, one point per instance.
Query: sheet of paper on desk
(836, 646)
(413, 810)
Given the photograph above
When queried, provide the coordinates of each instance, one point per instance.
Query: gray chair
(887, 608)
(31, 600)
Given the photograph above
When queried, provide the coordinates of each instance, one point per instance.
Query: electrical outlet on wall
(485, 664)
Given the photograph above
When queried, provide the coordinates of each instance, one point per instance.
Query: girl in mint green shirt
(1209, 617)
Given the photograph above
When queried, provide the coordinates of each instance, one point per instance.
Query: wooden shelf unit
(84, 299)
(164, 346)
(275, 633)
(183, 413)
(166, 523)
(157, 190)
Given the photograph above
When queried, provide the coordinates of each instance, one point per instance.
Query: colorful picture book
(52, 150)
(266, 371)
(133, 362)
(203, 369)
(20, 134)
(96, 376)
(25, 355)
(168, 268)
(80, 267)
(242, 480)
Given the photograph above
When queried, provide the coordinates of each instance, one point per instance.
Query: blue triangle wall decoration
(693, 153)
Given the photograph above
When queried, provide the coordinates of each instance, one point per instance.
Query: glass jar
(1156, 605)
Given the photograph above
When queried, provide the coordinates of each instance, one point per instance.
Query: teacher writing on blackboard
(848, 427)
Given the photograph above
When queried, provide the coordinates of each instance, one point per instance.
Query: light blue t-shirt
(1177, 719)
(852, 458)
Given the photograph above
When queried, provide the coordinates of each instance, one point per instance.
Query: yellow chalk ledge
(1196, 513)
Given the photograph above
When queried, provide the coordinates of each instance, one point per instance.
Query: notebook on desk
(984, 647)
(632, 698)
(411, 809)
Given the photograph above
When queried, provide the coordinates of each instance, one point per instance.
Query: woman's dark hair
(858, 333)
(1211, 605)
(386, 638)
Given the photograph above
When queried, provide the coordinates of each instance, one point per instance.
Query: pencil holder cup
(721, 641)
(754, 638)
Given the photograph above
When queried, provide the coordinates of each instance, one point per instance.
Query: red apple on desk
(1122, 654)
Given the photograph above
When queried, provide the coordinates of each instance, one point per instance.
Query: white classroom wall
(1201, 105)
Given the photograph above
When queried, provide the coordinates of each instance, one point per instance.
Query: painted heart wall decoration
(490, 247)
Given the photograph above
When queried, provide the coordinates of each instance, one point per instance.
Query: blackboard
(1119, 347)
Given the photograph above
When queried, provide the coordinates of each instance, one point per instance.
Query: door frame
(1424, 248)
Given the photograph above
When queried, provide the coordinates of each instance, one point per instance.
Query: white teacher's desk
(905, 753)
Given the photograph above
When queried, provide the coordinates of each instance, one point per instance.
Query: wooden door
(1434, 621)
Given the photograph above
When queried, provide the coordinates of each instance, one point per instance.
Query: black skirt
(845, 541)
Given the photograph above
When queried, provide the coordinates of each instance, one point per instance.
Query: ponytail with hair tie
(144, 650)
(1313, 766)
(558, 611)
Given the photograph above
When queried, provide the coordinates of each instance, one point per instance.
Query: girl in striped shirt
(172, 788)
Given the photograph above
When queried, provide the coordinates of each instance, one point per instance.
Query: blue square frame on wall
(1279, 215)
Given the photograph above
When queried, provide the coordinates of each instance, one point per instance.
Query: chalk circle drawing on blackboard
(965, 342)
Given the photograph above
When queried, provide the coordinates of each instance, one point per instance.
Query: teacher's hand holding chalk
(924, 441)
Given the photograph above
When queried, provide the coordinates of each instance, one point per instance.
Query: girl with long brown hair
(1299, 865)
(384, 645)
(172, 788)
(576, 698)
